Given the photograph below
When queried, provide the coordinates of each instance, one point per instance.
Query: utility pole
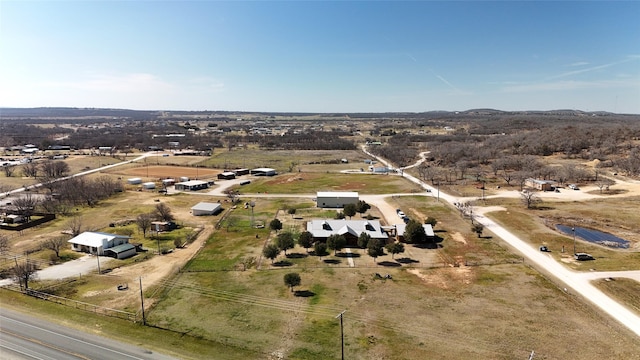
(98, 259)
(341, 332)
(252, 204)
(573, 230)
(144, 320)
(438, 191)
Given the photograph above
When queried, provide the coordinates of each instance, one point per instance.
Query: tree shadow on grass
(406, 260)
(332, 261)
(429, 245)
(297, 256)
(389, 263)
(347, 255)
(282, 263)
(304, 293)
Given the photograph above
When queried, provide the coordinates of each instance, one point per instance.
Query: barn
(263, 172)
(205, 208)
(336, 199)
(192, 185)
(227, 175)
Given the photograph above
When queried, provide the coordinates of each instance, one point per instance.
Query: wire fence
(121, 314)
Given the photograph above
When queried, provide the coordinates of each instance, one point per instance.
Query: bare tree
(144, 223)
(25, 205)
(52, 170)
(8, 170)
(30, 170)
(75, 225)
(163, 212)
(24, 272)
(604, 183)
(55, 244)
(4, 244)
(529, 198)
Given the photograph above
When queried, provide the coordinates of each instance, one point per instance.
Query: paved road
(26, 337)
(578, 283)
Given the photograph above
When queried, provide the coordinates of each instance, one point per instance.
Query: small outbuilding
(227, 175)
(240, 172)
(134, 181)
(149, 185)
(263, 172)
(192, 185)
(121, 251)
(206, 208)
(336, 199)
(542, 185)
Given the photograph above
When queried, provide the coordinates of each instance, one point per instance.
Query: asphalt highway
(26, 337)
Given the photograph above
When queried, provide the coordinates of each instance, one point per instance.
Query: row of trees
(285, 241)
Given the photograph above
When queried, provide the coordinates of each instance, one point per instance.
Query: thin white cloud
(128, 83)
(579, 63)
(590, 69)
(208, 82)
(412, 58)
(567, 85)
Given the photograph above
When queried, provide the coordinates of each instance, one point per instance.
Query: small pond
(596, 237)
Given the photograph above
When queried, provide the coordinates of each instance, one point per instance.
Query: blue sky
(321, 56)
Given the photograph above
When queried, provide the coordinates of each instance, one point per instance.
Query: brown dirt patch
(446, 277)
(152, 271)
(458, 238)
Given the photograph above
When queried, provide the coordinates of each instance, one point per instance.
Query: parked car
(583, 256)
(401, 214)
(544, 249)
(574, 187)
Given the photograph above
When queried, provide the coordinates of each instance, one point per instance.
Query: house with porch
(99, 243)
(321, 229)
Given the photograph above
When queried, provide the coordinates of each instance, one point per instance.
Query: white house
(335, 199)
(205, 208)
(321, 229)
(99, 243)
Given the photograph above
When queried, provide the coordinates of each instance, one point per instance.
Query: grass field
(310, 183)
(469, 297)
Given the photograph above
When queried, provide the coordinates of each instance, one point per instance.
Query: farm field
(467, 297)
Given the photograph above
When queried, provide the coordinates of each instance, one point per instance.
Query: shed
(240, 172)
(544, 185)
(149, 185)
(263, 172)
(192, 185)
(206, 208)
(121, 251)
(336, 199)
(168, 182)
(227, 175)
(184, 178)
(134, 181)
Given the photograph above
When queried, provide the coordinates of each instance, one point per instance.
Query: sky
(321, 56)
